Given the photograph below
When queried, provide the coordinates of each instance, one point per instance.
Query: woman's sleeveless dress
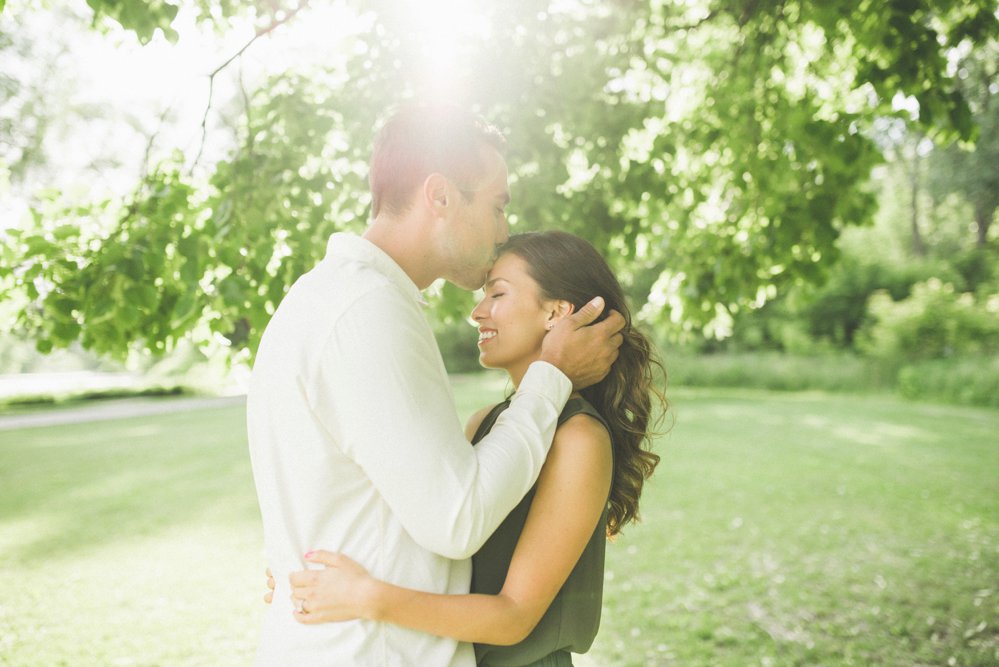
(571, 622)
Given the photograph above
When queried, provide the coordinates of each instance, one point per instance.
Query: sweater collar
(345, 244)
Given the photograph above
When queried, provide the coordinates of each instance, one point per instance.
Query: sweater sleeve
(381, 390)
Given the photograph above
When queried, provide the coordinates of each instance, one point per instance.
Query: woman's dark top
(572, 620)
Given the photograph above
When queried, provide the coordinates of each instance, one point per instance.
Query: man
(354, 439)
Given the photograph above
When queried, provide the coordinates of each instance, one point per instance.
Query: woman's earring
(549, 326)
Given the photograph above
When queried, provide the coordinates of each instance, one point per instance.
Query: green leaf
(732, 153)
(64, 232)
(39, 245)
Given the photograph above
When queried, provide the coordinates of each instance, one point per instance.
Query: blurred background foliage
(795, 177)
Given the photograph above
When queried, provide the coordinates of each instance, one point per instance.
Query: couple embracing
(393, 540)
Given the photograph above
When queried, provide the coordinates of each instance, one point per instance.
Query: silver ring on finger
(300, 606)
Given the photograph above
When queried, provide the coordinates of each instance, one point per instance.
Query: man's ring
(300, 606)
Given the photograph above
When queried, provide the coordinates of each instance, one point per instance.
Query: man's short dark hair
(418, 140)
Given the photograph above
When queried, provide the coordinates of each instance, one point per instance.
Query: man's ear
(436, 193)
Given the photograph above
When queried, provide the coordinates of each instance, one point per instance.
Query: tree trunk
(918, 247)
(983, 219)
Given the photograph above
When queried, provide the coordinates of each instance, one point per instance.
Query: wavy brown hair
(567, 267)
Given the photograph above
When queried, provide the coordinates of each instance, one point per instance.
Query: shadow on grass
(810, 529)
(68, 489)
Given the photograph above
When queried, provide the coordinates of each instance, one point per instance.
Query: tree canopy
(713, 151)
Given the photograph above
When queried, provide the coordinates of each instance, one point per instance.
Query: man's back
(313, 486)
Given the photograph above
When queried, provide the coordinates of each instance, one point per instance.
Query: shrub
(968, 381)
(812, 319)
(838, 309)
(777, 371)
(934, 322)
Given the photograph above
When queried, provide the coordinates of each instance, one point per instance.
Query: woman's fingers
(306, 604)
(302, 593)
(269, 595)
(324, 595)
(308, 618)
(303, 578)
(327, 558)
(332, 559)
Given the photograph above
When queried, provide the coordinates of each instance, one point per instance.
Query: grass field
(781, 529)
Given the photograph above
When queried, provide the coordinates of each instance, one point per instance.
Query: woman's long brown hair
(630, 399)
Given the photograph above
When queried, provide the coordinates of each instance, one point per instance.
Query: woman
(537, 582)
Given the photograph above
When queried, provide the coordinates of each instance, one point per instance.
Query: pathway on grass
(114, 409)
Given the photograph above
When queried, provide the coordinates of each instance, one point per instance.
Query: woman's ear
(557, 309)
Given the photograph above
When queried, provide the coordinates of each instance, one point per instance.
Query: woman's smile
(512, 302)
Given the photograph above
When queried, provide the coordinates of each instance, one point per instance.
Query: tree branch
(152, 140)
(696, 24)
(211, 76)
(247, 109)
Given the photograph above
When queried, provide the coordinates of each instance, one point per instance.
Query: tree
(973, 171)
(714, 152)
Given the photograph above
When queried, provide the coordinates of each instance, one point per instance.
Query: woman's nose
(478, 313)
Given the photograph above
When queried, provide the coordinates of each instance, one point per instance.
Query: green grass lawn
(781, 529)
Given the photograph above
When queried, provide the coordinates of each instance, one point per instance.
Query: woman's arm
(328, 559)
(571, 495)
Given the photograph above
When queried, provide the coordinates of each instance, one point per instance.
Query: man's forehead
(494, 172)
